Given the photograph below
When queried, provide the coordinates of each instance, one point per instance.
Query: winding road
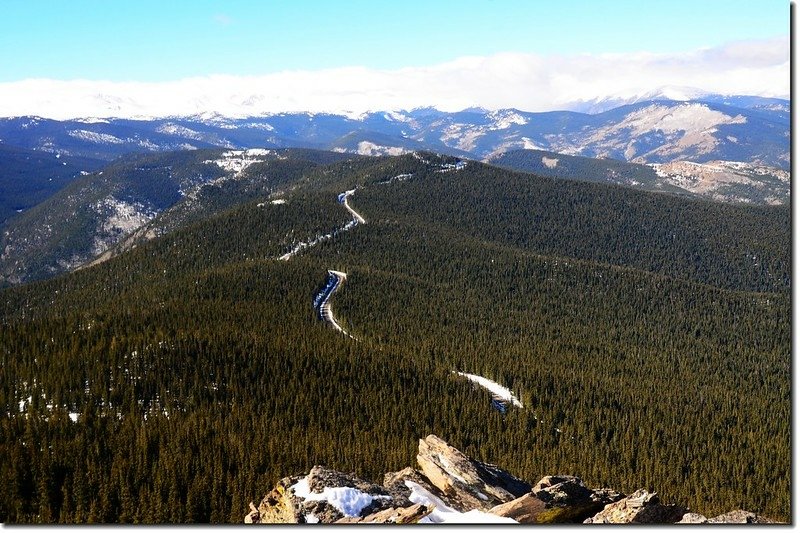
(357, 219)
(322, 302)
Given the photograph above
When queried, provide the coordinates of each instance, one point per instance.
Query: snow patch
(237, 161)
(349, 501)
(369, 148)
(123, 216)
(444, 514)
(505, 119)
(550, 162)
(94, 137)
(497, 390)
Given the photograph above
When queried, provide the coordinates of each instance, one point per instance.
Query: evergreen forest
(648, 337)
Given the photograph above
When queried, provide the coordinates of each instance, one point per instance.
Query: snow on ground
(94, 137)
(550, 162)
(463, 136)
(448, 167)
(397, 116)
(91, 120)
(505, 119)
(176, 129)
(689, 117)
(349, 501)
(357, 219)
(238, 160)
(123, 216)
(399, 177)
(369, 148)
(444, 514)
(279, 201)
(343, 200)
(496, 389)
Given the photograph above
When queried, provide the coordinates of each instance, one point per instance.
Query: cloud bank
(529, 82)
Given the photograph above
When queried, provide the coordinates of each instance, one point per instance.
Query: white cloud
(526, 81)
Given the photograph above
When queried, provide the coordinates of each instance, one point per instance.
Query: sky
(473, 52)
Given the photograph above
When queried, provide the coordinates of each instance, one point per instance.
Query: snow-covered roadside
(357, 219)
(343, 200)
(498, 391)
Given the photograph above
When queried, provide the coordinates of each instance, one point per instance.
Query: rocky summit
(449, 487)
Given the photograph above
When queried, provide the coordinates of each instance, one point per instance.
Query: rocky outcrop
(693, 518)
(557, 500)
(467, 483)
(279, 506)
(740, 517)
(450, 487)
(395, 515)
(733, 517)
(641, 507)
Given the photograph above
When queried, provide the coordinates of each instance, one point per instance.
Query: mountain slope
(175, 360)
(138, 198)
(723, 181)
(27, 177)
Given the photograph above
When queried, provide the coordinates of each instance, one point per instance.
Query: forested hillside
(648, 338)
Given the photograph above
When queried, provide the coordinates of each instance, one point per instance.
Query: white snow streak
(357, 219)
(498, 391)
(444, 514)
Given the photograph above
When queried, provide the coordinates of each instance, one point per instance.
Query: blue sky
(146, 40)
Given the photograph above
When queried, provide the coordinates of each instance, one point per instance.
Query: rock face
(641, 507)
(468, 484)
(395, 515)
(450, 487)
(559, 500)
(693, 518)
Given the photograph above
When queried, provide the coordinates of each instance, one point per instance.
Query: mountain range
(747, 129)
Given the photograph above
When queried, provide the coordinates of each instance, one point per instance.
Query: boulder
(467, 484)
(641, 507)
(290, 503)
(527, 509)
(740, 517)
(395, 515)
(279, 506)
(693, 518)
(557, 500)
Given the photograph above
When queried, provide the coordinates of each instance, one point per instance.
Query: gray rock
(740, 517)
(693, 518)
(468, 484)
(557, 500)
(397, 515)
(641, 507)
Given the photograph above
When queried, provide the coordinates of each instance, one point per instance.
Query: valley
(331, 263)
(622, 320)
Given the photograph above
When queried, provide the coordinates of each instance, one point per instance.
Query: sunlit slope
(637, 364)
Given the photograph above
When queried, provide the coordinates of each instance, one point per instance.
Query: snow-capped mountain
(749, 129)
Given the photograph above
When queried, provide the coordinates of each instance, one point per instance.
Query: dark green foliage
(28, 177)
(202, 375)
